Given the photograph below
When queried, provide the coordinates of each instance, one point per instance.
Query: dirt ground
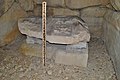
(15, 66)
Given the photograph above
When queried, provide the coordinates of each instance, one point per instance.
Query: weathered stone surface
(36, 50)
(81, 45)
(32, 40)
(112, 38)
(56, 11)
(105, 2)
(115, 4)
(93, 12)
(75, 56)
(59, 30)
(77, 4)
(78, 46)
(95, 25)
(8, 22)
(12, 35)
(93, 21)
(38, 10)
(113, 18)
(72, 58)
(27, 5)
(112, 41)
(1, 7)
(54, 3)
(93, 16)
(63, 12)
(8, 4)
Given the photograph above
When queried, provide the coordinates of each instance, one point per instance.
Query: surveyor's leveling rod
(44, 32)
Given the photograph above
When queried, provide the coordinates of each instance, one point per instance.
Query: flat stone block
(36, 50)
(62, 54)
(78, 58)
(60, 30)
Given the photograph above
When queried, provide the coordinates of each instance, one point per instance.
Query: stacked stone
(67, 39)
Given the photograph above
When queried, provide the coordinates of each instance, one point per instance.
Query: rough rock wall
(111, 27)
(115, 4)
(112, 37)
(91, 11)
(1, 7)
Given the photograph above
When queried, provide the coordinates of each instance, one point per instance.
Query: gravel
(15, 66)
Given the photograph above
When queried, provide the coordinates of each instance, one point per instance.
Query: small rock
(21, 69)
(60, 71)
(49, 72)
(66, 78)
(36, 73)
(51, 66)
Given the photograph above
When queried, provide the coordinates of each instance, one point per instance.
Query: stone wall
(112, 37)
(96, 13)
(91, 11)
(111, 27)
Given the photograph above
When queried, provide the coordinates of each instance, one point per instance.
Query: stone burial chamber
(66, 37)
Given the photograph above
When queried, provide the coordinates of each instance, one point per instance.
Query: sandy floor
(15, 66)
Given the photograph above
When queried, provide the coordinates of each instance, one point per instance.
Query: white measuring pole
(44, 32)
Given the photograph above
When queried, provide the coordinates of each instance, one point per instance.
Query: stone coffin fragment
(78, 57)
(62, 54)
(61, 30)
(75, 54)
(80, 45)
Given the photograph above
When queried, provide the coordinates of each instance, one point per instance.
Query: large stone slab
(77, 57)
(112, 41)
(76, 54)
(61, 30)
(36, 50)
(112, 38)
(81, 45)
